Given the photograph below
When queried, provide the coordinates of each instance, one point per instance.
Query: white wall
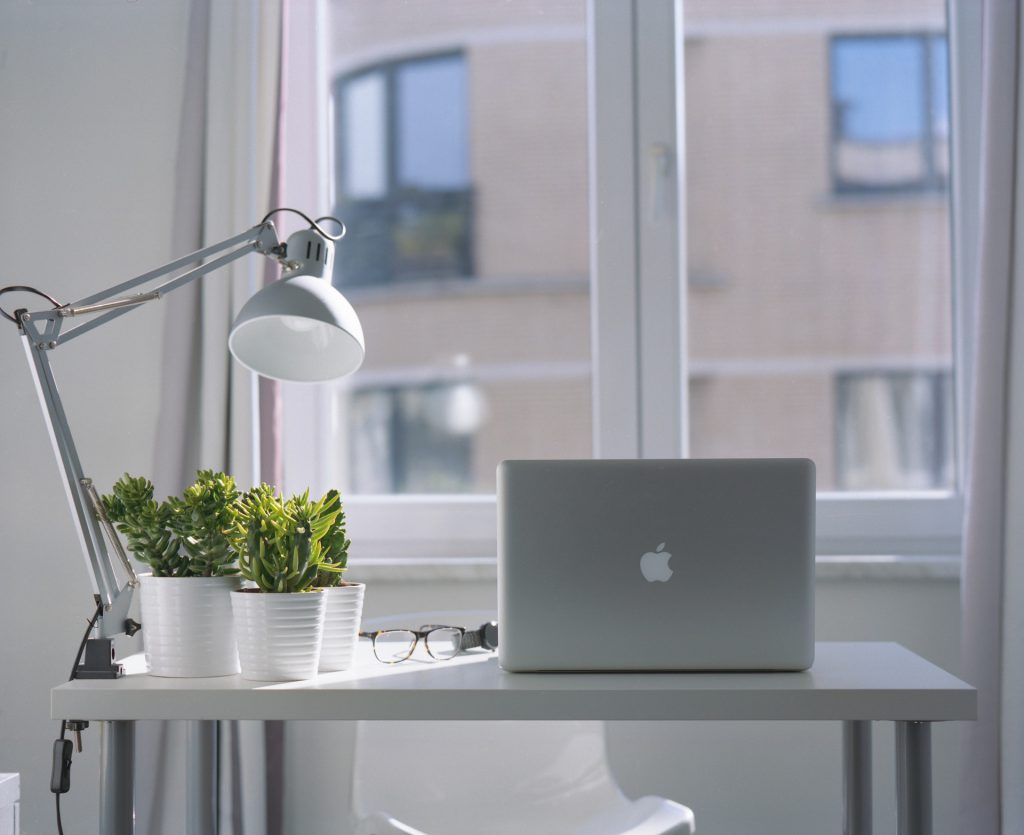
(90, 96)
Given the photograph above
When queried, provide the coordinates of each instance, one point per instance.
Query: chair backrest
(441, 776)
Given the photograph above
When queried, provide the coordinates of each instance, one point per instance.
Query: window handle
(661, 180)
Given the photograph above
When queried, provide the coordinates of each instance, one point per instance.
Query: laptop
(656, 565)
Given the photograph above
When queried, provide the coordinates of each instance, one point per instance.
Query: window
(403, 169)
(415, 439)
(807, 326)
(890, 112)
(809, 289)
(459, 151)
(895, 431)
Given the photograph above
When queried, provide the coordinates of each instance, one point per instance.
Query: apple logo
(654, 565)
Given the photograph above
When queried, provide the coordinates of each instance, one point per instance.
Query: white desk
(855, 683)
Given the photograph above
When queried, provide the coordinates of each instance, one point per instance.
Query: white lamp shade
(298, 329)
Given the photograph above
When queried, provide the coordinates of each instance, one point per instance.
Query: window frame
(638, 304)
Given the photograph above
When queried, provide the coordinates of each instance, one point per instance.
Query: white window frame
(638, 297)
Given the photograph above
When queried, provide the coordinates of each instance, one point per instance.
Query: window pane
(415, 439)
(820, 302)
(432, 151)
(363, 134)
(879, 88)
(472, 291)
(879, 103)
(893, 431)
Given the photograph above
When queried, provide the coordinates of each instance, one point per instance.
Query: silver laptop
(656, 565)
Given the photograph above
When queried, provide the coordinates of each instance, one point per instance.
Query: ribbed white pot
(279, 635)
(187, 627)
(341, 626)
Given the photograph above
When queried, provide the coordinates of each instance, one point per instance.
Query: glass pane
(878, 98)
(415, 439)
(819, 301)
(363, 134)
(893, 431)
(432, 149)
(879, 87)
(472, 290)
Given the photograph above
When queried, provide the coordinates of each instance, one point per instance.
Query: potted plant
(188, 629)
(279, 623)
(344, 599)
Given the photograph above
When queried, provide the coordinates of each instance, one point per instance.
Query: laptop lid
(656, 564)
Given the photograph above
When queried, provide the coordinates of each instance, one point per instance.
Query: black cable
(313, 223)
(22, 288)
(74, 673)
(340, 223)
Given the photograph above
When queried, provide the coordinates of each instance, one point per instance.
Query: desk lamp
(299, 329)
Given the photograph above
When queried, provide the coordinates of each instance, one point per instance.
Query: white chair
(491, 778)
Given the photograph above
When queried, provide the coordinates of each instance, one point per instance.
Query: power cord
(314, 224)
(22, 288)
(60, 774)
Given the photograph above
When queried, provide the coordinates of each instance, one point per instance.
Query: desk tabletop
(847, 681)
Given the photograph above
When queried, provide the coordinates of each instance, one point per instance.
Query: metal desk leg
(117, 770)
(857, 778)
(201, 788)
(914, 778)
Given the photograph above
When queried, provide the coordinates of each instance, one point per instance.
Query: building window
(414, 439)
(403, 172)
(895, 431)
(890, 112)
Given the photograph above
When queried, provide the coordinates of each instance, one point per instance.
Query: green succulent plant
(145, 524)
(201, 519)
(184, 536)
(281, 542)
(330, 543)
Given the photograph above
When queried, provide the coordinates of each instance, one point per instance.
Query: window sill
(887, 568)
(485, 569)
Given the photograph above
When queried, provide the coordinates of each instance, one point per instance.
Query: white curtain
(210, 405)
(992, 791)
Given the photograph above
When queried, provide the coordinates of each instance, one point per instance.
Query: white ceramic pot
(279, 635)
(341, 626)
(187, 627)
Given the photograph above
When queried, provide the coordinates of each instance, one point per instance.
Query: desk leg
(117, 772)
(201, 788)
(857, 813)
(914, 778)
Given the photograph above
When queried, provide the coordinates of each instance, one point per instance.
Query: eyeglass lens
(394, 645)
(444, 643)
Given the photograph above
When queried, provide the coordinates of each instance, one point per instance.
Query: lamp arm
(41, 333)
(262, 238)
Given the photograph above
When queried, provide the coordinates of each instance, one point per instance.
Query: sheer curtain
(992, 796)
(227, 154)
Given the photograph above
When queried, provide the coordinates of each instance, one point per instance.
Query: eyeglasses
(394, 645)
